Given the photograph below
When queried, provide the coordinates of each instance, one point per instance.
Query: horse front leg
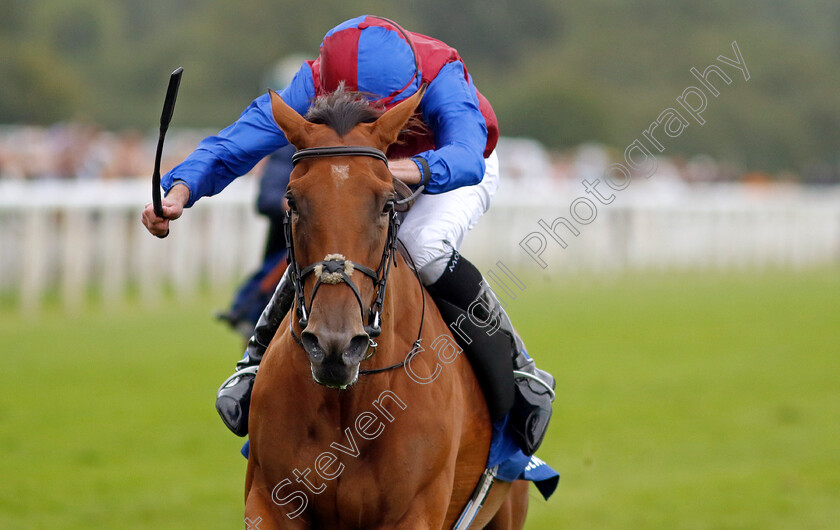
(261, 512)
(428, 510)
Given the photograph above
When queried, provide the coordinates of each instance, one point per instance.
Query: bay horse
(341, 436)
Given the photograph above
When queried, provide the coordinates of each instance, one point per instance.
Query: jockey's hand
(173, 207)
(405, 170)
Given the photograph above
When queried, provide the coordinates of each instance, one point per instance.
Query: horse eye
(389, 206)
(291, 200)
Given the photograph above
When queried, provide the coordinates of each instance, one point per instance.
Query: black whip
(165, 118)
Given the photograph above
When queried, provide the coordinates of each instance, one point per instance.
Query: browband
(338, 150)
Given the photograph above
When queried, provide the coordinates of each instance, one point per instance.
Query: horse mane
(343, 109)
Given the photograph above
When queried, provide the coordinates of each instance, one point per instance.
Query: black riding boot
(509, 377)
(234, 396)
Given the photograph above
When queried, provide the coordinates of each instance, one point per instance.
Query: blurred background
(692, 323)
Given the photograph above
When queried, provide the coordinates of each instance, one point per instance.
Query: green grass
(685, 401)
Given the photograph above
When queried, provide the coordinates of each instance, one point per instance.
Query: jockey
(455, 161)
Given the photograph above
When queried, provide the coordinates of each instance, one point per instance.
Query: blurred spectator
(85, 151)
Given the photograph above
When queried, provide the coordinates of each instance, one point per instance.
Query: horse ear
(387, 128)
(293, 125)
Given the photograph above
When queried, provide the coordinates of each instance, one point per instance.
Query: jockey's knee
(429, 260)
(445, 256)
(429, 252)
(433, 270)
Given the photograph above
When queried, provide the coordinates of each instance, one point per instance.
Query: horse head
(341, 225)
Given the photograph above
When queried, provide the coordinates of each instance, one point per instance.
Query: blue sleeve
(219, 159)
(450, 109)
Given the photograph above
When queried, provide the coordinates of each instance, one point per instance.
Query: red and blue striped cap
(373, 55)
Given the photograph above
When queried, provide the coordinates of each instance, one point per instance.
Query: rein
(335, 268)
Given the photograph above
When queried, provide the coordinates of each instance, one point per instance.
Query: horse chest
(342, 472)
(374, 490)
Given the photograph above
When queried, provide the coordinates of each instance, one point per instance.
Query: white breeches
(437, 224)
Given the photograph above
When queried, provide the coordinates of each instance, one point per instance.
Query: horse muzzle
(333, 357)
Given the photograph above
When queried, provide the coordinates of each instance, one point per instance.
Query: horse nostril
(310, 344)
(356, 349)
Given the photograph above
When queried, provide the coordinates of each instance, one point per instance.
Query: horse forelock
(343, 110)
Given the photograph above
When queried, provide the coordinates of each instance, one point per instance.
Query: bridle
(335, 268)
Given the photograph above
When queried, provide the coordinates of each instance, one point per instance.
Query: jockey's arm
(220, 159)
(406, 170)
(450, 110)
(173, 207)
(233, 152)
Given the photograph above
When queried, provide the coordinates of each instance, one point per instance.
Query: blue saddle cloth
(516, 465)
(513, 463)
